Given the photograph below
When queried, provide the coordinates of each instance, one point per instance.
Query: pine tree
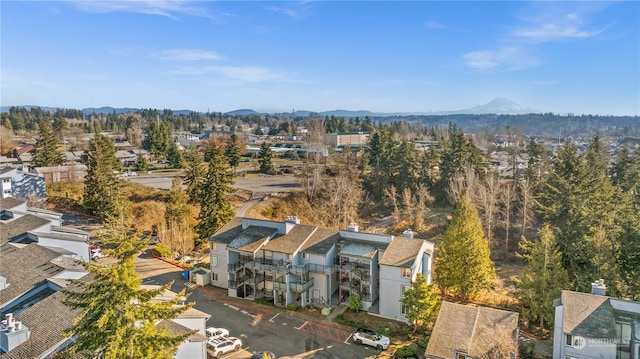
(215, 210)
(175, 157)
(118, 318)
(141, 163)
(232, 151)
(46, 151)
(544, 278)
(463, 264)
(421, 303)
(194, 175)
(265, 155)
(103, 190)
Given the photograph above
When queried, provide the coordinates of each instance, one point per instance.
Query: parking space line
(274, 317)
(302, 326)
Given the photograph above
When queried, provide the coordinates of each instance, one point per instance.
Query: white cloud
(168, 8)
(505, 58)
(238, 73)
(187, 55)
(567, 26)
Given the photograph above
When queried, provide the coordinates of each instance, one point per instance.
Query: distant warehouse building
(356, 139)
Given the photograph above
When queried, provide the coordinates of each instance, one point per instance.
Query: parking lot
(261, 328)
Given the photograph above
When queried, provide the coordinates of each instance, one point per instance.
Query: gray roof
(401, 252)
(58, 235)
(290, 242)
(18, 226)
(476, 330)
(361, 248)
(10, 202)
(251, 238)
(47, 319)
(4, 170)
(24, 268)
(321, 241)
(228, 232)
(587, 315)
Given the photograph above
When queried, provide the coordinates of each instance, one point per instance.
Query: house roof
(228, 232)
(321, 241)
(47, 319)
(474, 330)
(18, 226)
(251, 238)
(587, 315)
(177, 329)
(24, 268)
(10, 202)
(401, 252)
(361, 248)
(4, 170)
(292, 241)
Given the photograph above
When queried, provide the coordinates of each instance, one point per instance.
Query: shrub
(163, 250)
(354, 303)
(527, 351)
(383, 330)
(264, 300)
(407, 351)
(292, 307)
(423, 341)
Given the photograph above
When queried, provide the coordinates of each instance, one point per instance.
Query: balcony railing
(280, 285)
(300, 287)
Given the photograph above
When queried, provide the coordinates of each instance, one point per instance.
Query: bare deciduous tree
(487, 198)
(507, 197)
(392, 195)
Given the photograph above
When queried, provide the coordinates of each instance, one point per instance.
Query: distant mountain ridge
(499, 106)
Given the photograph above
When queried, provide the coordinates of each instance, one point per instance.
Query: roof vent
(598, 287)
(12, 333)
(408, 233)
(3, 282)
(353, 227)
(292, 219)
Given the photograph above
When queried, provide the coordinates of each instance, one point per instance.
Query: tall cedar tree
(46, 151)
(215, 210)
(194, 175)
(421, 303)
(175, 157)
(119, 319)
(264, 157)
(232, 151)
(103, 190)
(158, 138)
(544, 278)
(463, 265)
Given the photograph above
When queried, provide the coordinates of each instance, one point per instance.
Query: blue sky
(414, 56)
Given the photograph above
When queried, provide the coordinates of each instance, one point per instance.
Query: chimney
(598, 287)
(12, 333)
(292, 219)
(352, 227)
(408, 233)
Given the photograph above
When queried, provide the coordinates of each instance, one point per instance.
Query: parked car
(216, 333)
(371, 338)
(221, 346)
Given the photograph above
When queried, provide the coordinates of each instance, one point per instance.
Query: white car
(221, 346)
(368, 337)
(216, 333)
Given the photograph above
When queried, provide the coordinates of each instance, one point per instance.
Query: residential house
(303, 264)
(69, 173)
(355, 139)
(471, 332)
(595, 326)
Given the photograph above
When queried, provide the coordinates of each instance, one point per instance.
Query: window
(213, 246)
(214, 261)
(289, 256)
(306, 256)
(403, 289)
(268, 254)
(406, 272)
(214, 276)
(461, 356)
(568, 340)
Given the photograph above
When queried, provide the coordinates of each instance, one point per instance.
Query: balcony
(300, 287)
(279, 285)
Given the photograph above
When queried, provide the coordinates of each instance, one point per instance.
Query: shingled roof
(251, 238)
(401, 252)
(474, 330)
(24, 268)
(10, 202)
(292, 241)
(47, 319)
(587, 315)
(18, 226)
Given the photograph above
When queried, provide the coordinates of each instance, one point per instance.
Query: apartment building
(301, 264)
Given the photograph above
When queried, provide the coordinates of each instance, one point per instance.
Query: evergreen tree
(46, 149)
(463, 265)
(194, 175)
(158, 138)
(629, 258)
(215, 210)
(118, 318)
(264, 157)
(232, 151)
(177, 207)
(141, 163)
(421, 303)
(103, 190)
(544, 278)
(175, 157)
